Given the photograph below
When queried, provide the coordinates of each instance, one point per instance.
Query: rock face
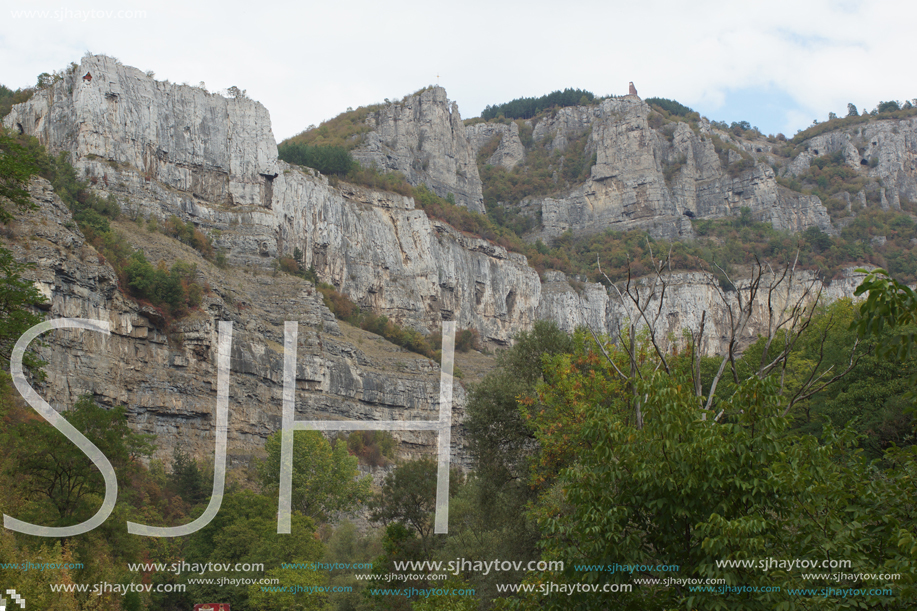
(655, 179)
(687, 297)
(390, 257)
(423, 137)
(163, 149)
(509, 151)
(223, 174)
(167, 379)
(181, 137)
(885, 150)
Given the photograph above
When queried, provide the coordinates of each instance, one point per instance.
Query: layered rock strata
(165, 374)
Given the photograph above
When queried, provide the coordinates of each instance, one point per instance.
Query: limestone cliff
(883, 150)
(687, 297)
(163, 149)
(657, 177)
(423, 137)
(211, 147)
(166, 377)
(509, 151)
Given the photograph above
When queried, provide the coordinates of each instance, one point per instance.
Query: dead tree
(782, 301)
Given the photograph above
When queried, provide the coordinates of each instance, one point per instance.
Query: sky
(778, 65)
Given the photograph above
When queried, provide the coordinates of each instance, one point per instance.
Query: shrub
(374, 448)
(188, 234)
(467, 339)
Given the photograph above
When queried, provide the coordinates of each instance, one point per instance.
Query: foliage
(173, 289)
(850, 120)
(18, 299)
(35, 586)
(187, 233)
(374, 448)
(449, 597)
(373, 178)
(670, 106)
(344, 131)
(245, 531)
(408, 496)
(499, 438)
(59, 477)
(399, 544)
(324, 477)
(186, 478)
(467, 339)
(890, 106)
(526, 108)
(347, 546)
(9, 98)
(326, 159)
(17, 164)
(305, 596)
(486, 520)
(890, 304)
(687, 491)
(410, 339)
(889, 315)
(829, 175)
(542, 171)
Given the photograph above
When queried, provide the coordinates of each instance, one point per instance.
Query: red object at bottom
(212, 607)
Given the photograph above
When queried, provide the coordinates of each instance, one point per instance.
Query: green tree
(889, 305)
(17, 164)
(18, 299)
(688, 491)
(500, 438)
(325, 478)
(408, 496)
(186, 478)
(245, 531)
(61, 480)
(300, 590)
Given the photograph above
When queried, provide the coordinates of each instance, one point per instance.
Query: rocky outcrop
(509, 151)
(128, 134)
(183, 138)
(163, 149)
(223, 174)
(655, 179)
(885, 151)
(390, 257)
(423, 137)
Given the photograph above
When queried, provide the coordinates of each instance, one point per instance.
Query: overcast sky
(777, 64)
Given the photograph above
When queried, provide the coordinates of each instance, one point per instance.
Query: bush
(345, 309)
(188, 234)
(467, 339)
(374, 448)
